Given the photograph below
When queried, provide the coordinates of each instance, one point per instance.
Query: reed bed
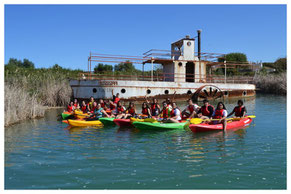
(20, 105)
(272, 83)
(29, 92)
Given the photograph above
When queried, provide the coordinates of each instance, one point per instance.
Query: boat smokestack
(199, 44)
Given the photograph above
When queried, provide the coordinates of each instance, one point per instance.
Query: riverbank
(29, 92)
(271, 83)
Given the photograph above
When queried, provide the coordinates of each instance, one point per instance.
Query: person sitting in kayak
(101, 102)
(98, 113)
(155, 107)
(90, 104)
(75, 103)
(220, 114)
(239, 110)
(84, 107)
(191, 110)
(175, 115)
(165, 112)
(169, 103)
(93, 107)
(206, 111)
(145, 110)
(70, 107)
(120, 110)
(115, 98)
(130, 111)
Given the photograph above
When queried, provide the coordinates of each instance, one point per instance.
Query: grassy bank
(272, 83)
(29, 91)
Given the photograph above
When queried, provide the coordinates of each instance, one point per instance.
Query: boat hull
(204, 127)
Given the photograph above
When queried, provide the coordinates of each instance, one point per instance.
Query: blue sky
(65, 34)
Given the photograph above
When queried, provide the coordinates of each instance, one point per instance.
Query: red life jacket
(112, 107)
(84, 108)
(238, 111)
(154, 109)
(145, 111)
(172, 113)
(75, 105)
(116, 100)
(102, 105)
(191, 108)
(205, 111)
(218, 114)
(120, 109)
(165, 113)
(70, 108)
(93, 108)
(131, 111)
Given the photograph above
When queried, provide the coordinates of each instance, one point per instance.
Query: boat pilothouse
(185, 74)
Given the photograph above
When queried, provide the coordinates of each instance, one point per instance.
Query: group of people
(169, 112)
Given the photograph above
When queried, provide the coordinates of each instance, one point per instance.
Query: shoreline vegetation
(29, 91)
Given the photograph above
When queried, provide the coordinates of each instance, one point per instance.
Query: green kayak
(65, 115)
(158, 126)
(107, 121)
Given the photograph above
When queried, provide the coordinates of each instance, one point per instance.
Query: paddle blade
(196, 121)
(150, 120)
(251, 116)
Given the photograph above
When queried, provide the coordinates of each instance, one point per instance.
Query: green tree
(281, 65)
(14, 62)
(234, 57)
(101, 68)
(27, 64)
(125, 67)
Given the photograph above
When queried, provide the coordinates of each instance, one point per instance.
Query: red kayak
(123, 122)
(230, 126)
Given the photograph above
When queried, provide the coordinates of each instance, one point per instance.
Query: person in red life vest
(239, 110)
(120, 110)
(206, 110)
(90, 104)
(175, 116)
(98, 113)
(101, 102)
(220, 113)
(115, 98)
(155, 108)
(191, 109)
(145, 110)
(84, 107)
(169, 103)
(94, 107)
(75, 103)
(70, 107)
(165, 113)
(130, 111)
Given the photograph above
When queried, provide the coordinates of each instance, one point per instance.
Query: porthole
(226, 93)
(180, 64)
(94, 90)
(123, 90)
(166, 91)
(189, 92)
(148, 91)
(244, 93)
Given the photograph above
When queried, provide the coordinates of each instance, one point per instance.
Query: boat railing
(166, 77)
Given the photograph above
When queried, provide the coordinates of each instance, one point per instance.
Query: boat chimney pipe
(199, 44)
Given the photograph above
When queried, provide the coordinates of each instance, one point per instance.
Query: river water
(45, 154)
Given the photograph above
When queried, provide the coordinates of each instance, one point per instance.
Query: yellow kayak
(150, 120)
(136, 119)
(83, 123)
(82, 116)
